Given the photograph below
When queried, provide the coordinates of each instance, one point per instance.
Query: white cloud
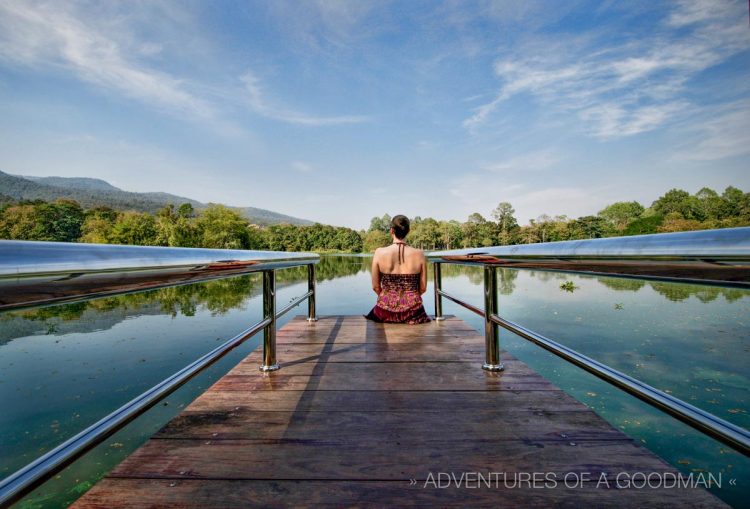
(260, 105)
(620, 89)
(55, 35)
(610, 120)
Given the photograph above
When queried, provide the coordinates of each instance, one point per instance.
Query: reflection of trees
(676, 292)
(218, 296)
(506, 278)
(506, 281)
(622, 284)
(546, 275)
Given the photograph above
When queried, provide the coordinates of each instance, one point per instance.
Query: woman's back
(390, 261)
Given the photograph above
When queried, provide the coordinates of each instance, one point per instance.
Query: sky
(338, 111)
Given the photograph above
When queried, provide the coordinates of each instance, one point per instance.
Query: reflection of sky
(55, 384)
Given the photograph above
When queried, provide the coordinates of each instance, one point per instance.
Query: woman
(399, 278)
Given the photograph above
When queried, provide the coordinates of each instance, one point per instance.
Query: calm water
(64, 367)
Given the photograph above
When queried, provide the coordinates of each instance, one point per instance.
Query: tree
(673, 200)
(186, 210)
(471, 230)
(223, 228)
(18, 222)
(375, 239)
(382, 224)
(621, 213)
(134, 228)
(710, 202)
(503, 214)
(588, 227)
(736, 204)
(450, 234)
(59, 221)
(645, 225)
(97, 226)
(176, 227)
(675, 222)
(347, 239)
(425, 233)
(96, 230)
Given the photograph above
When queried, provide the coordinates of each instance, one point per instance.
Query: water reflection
(221, 296)
(217, 297)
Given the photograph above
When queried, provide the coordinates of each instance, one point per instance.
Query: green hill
(90, 192)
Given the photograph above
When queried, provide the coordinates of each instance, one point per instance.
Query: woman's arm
(423, 276)
(375, 274)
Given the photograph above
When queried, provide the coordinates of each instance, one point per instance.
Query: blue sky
(338, 111)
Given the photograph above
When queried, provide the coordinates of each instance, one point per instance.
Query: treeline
(676, 210)
(216, 226)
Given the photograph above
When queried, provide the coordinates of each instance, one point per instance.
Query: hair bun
(400, 225)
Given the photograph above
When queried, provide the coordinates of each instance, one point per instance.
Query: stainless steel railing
(706, 257)
(45, 273)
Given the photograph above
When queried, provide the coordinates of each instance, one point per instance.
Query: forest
(217, 226)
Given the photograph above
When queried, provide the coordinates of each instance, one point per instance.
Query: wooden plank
(359, 408)
(392, 459)
(367, 352)
(504, 402)
(349, 427)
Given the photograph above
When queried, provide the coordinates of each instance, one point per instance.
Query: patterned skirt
(399, 300)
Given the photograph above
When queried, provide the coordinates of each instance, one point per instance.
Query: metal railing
(46, 273)
(707, 257)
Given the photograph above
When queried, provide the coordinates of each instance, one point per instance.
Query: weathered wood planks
(362, 414)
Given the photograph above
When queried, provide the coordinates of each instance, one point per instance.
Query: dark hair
(400, 226)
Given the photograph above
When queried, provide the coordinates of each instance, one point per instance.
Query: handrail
(693, 258)
(42, 273)
(33, 268)
(717, 257)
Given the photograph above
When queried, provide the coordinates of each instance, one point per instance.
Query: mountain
(90, 192)
(85, 183)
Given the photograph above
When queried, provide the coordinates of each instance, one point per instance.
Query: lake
(64, 367)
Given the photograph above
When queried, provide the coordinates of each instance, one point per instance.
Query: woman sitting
(399, 278)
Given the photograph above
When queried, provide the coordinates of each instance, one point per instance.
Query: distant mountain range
(91, 192)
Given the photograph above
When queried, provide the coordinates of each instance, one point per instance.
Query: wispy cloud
(260, 105)
(56, 35)
(618, 89)
(327, 25)
(720, 136)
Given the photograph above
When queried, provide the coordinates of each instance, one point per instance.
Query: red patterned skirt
(399, 300)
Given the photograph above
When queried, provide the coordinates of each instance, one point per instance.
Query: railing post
(491, 331)
(438, 284)
(311, 316)
(269, 311)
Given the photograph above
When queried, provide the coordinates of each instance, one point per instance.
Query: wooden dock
(365, 414)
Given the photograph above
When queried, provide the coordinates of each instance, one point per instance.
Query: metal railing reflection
(48, 273)
(716, 257)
